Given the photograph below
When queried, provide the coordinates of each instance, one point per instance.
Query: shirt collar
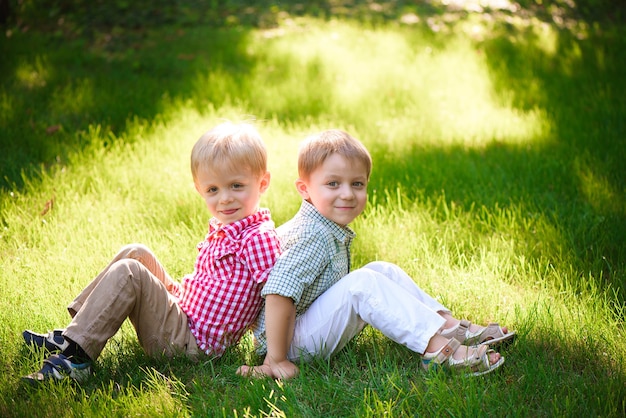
(234, 229)
(342, 233)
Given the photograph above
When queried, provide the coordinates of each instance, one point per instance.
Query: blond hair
(232, 146)
(317, 148)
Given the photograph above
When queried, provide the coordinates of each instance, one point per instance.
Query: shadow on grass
(102, 65)
(529, 183)
(126, 375)
(578, 81)
(545, 373)
(573, 176)
(542, 372)
(56, 92)
(54, 89)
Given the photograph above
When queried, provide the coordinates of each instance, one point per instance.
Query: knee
(380, 266)
(126, 267)
(362, 281)
(135, 251)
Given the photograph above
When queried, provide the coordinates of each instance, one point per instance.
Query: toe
(494, 357)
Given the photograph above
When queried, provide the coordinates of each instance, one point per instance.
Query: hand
(276, 370)
(280, 318)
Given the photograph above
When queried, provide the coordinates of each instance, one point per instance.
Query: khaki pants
(134, 286)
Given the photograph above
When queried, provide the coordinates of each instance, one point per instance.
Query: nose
(346, 192)
(225, 197)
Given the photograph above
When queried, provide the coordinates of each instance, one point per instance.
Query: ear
(303, 188)
(265, 181)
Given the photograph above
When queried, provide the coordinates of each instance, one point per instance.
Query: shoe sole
(492, 368)
(503, 341)
(59, 368)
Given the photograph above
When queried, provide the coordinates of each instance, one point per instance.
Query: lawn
(498, 139)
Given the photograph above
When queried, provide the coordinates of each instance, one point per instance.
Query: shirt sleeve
(298, 266)
(261, 252)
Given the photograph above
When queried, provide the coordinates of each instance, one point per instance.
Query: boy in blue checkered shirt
(314, 305)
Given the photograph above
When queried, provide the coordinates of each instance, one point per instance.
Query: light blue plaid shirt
(315, 255)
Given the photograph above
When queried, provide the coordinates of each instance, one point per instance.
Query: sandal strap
(463, 330)
(476, 360)
(459, 332)
(492, 332)
(447, 351)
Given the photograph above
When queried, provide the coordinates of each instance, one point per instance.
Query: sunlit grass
(481, 190)
(421, 92)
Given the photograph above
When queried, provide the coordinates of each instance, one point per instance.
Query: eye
(211, 190)
(237, 186)
(333, 183)
(358, 184)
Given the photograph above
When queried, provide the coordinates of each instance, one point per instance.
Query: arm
(280, 320)
(304, 258)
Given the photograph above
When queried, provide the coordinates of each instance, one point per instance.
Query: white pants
(380, 294)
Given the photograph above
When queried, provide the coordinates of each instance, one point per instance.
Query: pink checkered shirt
(222, 297)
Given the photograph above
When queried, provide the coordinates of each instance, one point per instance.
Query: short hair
(230, 145)
(315, 149)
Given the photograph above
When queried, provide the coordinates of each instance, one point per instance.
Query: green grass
(498, 184)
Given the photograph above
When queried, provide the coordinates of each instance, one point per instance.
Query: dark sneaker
(52, 341)
(58, 367)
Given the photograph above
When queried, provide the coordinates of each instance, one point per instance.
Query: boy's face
(337, 188)
(231, 195)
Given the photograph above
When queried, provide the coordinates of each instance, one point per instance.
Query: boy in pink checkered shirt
(212, 307)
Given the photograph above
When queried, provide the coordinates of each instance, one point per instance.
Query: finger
(243, 370)
(255, 372)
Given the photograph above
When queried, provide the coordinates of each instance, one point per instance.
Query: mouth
(229, 211)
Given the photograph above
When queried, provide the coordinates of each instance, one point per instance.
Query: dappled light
(465, 112)
(598, 190)
(73, 99)
(32, 75)
(497, 130)
(366, 73)
(556, 28)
